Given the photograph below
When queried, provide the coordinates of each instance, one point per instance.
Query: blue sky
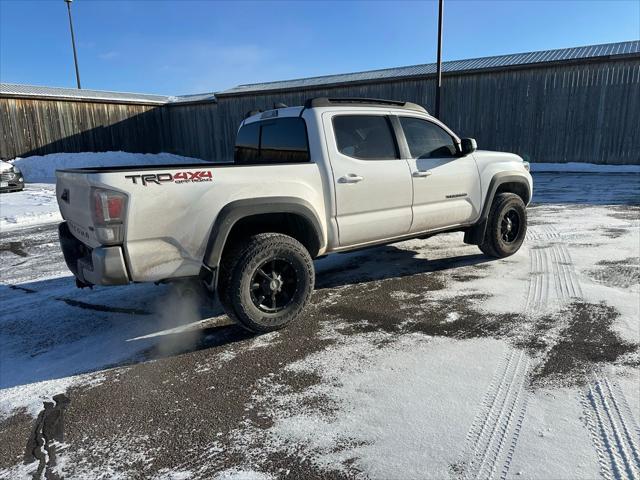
(181, 47)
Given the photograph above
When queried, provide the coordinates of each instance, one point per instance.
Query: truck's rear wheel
(506, 227)
(266, 281)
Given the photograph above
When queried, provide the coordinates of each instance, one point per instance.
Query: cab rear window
(279, 140)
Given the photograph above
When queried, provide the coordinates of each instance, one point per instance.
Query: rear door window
(366, 137)
(426, 139)
(281, 140)
(248, 144)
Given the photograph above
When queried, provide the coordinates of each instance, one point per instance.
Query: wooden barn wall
(587, 112)
(194, 131)
(37, 127)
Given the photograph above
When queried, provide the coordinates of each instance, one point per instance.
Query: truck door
(372, 183)
(446, 187)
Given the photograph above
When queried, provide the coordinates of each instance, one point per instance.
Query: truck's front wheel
(506, 227)
(266, 281)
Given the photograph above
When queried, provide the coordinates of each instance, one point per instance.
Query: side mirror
(468, 145)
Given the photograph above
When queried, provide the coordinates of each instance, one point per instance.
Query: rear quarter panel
(168, 225)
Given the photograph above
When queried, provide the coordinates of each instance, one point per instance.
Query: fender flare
(475, 234)
(231, 213)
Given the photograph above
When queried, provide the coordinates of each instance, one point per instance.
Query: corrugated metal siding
(500, 61)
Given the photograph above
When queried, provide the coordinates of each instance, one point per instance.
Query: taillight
(109, 208)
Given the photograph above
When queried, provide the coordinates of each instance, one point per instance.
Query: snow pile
(41, 169)
(575, 167)
(34, 205)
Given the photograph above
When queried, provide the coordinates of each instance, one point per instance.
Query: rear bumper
(92, 266)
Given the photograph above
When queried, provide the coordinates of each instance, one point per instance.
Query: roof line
(593, 51)
(475, 65)
(19, 90)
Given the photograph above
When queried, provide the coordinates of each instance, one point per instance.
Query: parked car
(11, 179)
(332, 176)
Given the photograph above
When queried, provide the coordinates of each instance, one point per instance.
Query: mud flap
(475, 234)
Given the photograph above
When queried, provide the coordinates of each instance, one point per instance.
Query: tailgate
(73, 193)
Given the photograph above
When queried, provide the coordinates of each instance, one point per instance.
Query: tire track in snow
(539, 273)
(494, 433)
(566, 279)
(614, 432)
(613, 429)
(493, 437)
(550, 264)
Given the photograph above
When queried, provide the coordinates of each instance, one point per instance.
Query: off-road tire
(494, 244)
(238, 272)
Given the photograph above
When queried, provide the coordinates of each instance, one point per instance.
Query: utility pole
(439, 64)
(73, 43)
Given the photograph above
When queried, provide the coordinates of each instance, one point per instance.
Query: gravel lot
(422, 359)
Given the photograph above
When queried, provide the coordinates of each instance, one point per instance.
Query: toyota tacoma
(334, 175)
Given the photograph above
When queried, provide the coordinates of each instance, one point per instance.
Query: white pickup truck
(334, 175)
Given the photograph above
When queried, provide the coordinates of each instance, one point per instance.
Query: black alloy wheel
(506, 226)
(273, 285)
(265, 281)
(510, 226)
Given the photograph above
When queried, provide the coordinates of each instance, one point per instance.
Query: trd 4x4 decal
(179, 177)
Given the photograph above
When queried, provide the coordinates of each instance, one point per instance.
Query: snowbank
(41, 169)
(576, 167)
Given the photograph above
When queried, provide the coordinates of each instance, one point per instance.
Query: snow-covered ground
(34, 205)
(419, 360)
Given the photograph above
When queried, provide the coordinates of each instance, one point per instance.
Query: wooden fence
(37, 126)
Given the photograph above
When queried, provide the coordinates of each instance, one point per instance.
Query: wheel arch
(289, 215)
(502, 182)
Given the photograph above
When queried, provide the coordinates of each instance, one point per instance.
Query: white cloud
(206, 66)
(110, 55)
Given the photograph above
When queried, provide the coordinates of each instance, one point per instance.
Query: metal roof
(19, 90)
(15, 89)
(499, 61)
(195, 98)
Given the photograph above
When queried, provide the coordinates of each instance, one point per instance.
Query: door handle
(422, 173)
(350, 178)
